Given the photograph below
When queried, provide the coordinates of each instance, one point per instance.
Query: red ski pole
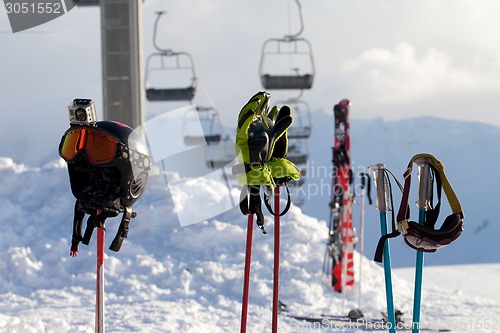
(246, 277)
(276, 258)
(99, 308)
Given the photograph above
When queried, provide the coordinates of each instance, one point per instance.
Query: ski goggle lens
(100, 148)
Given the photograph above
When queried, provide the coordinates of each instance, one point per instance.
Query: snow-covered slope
(172, 279)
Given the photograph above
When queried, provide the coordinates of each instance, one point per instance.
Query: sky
(393, 59)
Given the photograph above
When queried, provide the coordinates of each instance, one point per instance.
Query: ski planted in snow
(338, 264)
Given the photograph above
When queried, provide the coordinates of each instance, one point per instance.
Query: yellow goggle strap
(448, 190)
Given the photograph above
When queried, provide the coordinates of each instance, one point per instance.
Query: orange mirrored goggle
(100, 148)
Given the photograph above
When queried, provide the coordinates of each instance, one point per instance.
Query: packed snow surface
(168, 278)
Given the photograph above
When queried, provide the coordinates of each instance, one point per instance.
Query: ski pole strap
(77, 237)
(365, 182)
(122, 232)
(267, 201)
(88, 231)
(251, 203)
(379, 251)
(432, 215)
(94, 221)
(438, 168)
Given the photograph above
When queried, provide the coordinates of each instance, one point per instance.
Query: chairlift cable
(207, 94)
(172, 26)
(176, 34)
(301, 18)
(291, 36)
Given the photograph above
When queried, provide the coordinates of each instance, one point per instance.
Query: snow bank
(172, 279)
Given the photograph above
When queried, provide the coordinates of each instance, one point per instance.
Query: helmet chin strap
(98, 220)
(77, 230)
(122, 231)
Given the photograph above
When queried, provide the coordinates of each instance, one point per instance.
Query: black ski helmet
(104, 187)
(124, 178)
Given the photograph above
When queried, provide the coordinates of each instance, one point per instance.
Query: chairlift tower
(122, 73)
(121, 26)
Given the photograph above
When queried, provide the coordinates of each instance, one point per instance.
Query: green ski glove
(262, 136)
(262, 145)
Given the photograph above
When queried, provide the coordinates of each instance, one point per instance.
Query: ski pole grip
(425, 184)
(381, 186)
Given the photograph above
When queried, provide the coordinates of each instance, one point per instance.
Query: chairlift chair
(297, 151)
(281, 48)
(173, 63)
(221, 157)
(294, 48)
(221, 154)
(302, 125)
(179, 62)
(210, 131)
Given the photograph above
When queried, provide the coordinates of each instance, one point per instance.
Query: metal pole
(246, 276)
(99, 310)
(423, 203)
(382, 186)
(122, 67)
(276, 259)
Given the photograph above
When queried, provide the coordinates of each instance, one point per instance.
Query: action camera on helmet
(82, 112)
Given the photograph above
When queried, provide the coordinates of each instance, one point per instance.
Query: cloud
(402, 75)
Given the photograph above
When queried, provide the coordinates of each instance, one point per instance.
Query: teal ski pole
(382, 204)
(424, 203)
